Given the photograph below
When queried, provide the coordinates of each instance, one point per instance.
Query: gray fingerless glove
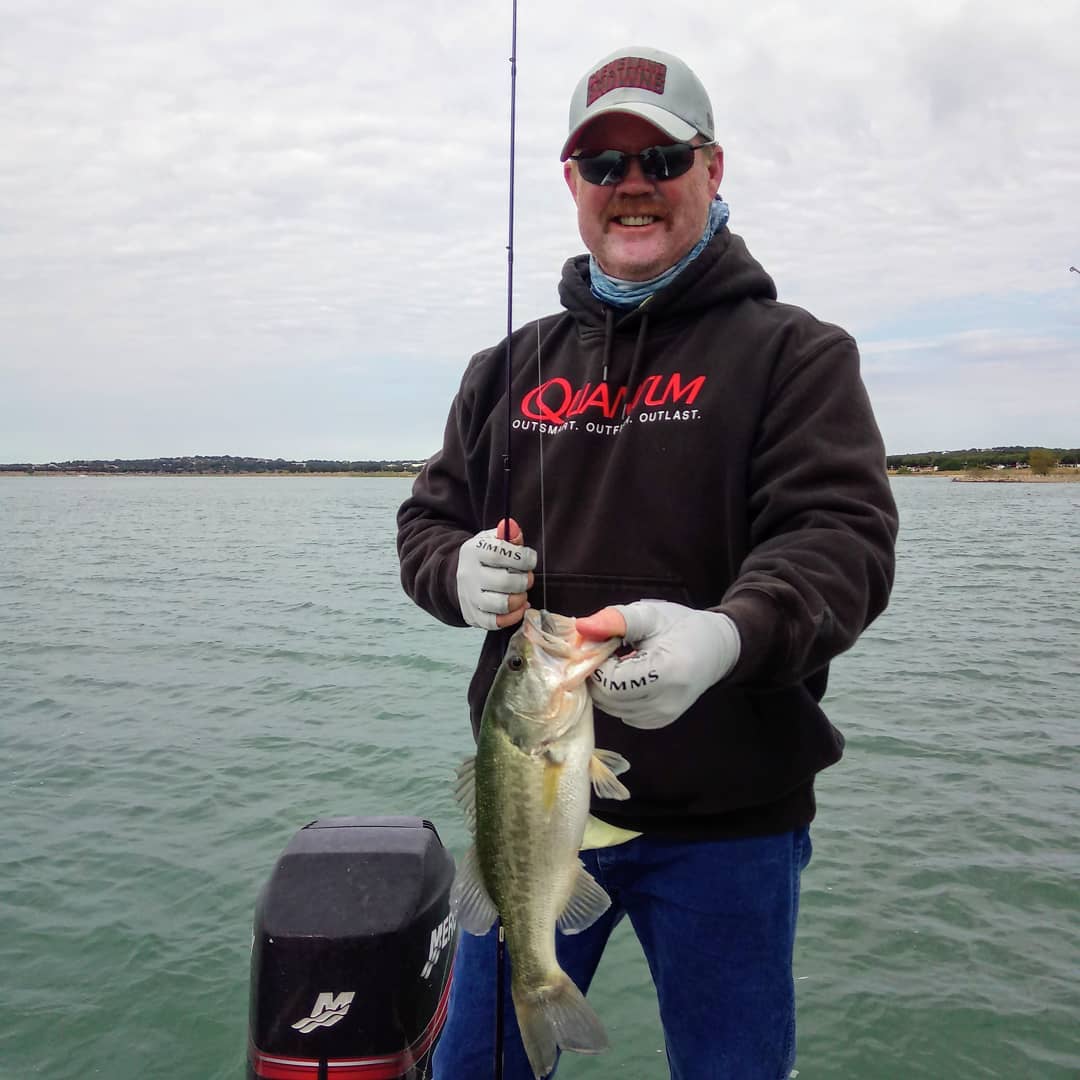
(680, 653)
(489, 572)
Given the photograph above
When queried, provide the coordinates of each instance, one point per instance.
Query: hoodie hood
(724, 273)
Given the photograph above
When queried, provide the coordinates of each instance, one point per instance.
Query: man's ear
(571, 177)
(716, 170)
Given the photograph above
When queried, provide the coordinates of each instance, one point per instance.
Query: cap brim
(667, 122)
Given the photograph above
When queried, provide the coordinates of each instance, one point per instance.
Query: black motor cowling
(352, 952)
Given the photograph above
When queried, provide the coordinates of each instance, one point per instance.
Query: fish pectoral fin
(465, 791)
(474, 909)
(587, 903)
(604, 767)
(613, 760)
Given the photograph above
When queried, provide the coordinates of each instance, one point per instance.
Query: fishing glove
(489, 572)
(679, 653)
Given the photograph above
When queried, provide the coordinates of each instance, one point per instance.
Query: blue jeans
(716, 920)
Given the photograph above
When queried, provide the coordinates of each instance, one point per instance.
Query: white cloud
(987, 387)
(198, 195)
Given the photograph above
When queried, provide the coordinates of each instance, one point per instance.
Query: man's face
(675, 211)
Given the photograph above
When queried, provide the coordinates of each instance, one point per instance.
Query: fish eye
(515, 662)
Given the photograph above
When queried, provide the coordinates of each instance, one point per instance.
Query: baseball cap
(648, 83)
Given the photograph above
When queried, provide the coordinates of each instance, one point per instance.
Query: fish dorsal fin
(465, 791)
(604, 767)
(469, 898)
(587, 903)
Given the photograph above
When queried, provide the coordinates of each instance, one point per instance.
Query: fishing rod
(510, 270)
(500, 944)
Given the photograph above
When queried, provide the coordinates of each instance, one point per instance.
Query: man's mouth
(635, 221)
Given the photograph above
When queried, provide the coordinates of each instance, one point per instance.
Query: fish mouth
(548, 631)
(557, 637)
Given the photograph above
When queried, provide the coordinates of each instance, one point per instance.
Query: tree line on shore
(1037, 458)
(215, 465)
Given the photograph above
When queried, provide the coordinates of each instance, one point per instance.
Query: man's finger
(603, 624)
(516, 614)
(516, 535)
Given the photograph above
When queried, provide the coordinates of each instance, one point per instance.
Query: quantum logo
(328, 1010)
(557, 401)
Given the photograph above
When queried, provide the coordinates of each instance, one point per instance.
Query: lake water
(191, 669)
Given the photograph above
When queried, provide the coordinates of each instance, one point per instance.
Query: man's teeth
(640, 220)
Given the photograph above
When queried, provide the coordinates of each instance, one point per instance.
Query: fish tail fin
(556, 1015)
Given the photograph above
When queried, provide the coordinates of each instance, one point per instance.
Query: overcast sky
(279, 229)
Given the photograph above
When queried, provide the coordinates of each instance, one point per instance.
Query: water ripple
(191, 670)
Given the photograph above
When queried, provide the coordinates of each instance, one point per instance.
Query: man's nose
(635, 182)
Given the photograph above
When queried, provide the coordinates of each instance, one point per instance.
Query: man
(716, 495)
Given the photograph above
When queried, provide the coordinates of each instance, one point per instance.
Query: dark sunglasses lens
(605, 168)
(657, 162)
(667, 162)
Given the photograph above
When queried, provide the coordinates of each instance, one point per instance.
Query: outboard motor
(352, 952)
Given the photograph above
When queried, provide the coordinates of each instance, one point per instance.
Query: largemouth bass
(526, 798)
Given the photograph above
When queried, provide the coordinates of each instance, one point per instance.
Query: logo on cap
(634, 71)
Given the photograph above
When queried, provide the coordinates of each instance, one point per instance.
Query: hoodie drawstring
(610, 326)
(639, 349)
(639, 345)
(609, 335)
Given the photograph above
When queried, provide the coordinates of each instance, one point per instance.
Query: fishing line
(500, 944)
(543, 504)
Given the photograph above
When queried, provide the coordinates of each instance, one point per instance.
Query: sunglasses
(608, 167)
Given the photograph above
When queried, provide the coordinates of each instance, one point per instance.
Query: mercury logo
(328, 1010)
(441, 936)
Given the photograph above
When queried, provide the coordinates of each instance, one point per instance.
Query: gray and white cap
(648, 83)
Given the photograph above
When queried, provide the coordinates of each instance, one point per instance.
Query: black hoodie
(712, 447)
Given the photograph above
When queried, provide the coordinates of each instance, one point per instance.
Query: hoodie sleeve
(823, 521)
(440, 515)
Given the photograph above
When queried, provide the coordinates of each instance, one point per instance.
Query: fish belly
(533, 820)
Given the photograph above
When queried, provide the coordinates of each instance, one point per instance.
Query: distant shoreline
(985, 476)
(115, 475)
(993, 476)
